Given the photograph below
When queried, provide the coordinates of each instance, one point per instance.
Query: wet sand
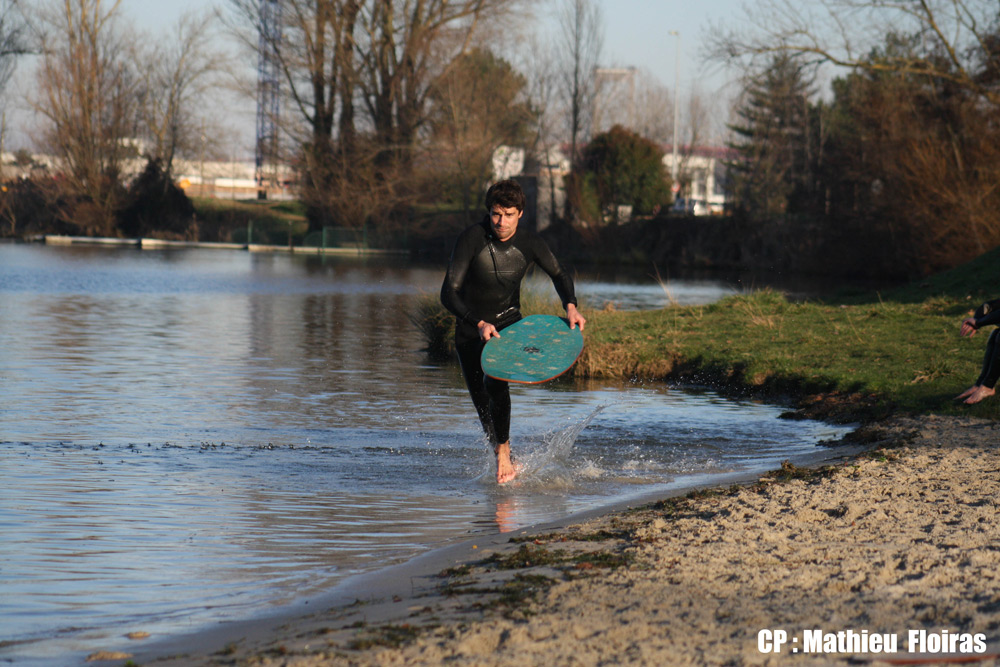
(870, 548)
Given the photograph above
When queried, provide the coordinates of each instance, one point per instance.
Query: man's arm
(458, 269)
(454, 278)
(560, 280)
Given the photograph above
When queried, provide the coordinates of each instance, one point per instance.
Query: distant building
(208, 178)
(231, 180)
(702, 174)
(508, 162)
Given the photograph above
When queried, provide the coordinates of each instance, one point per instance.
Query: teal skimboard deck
(536, 349)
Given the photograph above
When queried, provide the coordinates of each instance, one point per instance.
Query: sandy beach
(899, 544)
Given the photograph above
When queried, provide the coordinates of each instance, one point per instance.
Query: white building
(701, 175)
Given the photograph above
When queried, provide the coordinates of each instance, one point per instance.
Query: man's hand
(487, 330)
(968, 327)
(574, 317)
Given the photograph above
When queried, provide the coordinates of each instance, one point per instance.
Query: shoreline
(117, 645)
(903, 540)
(387, 595)
(145, 243)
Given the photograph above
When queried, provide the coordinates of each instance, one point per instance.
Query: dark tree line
(897, 173)
(897, 169)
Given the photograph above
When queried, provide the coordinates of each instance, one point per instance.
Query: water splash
(557, 446)
(549, 463)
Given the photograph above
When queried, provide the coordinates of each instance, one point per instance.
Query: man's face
(504, 221)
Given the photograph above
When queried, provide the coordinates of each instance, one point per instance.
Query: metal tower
(268, 80)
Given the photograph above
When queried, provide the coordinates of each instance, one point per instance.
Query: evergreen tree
(154, 204)
(774, 142)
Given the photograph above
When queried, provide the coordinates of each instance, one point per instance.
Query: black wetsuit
(483, 282)
(985, 315)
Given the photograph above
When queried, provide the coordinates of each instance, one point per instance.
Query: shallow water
(189, 436)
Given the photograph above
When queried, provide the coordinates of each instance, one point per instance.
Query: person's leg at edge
(984, 387)
(499, 393)
(491, 399)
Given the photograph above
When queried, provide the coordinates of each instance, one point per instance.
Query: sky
(636, 34)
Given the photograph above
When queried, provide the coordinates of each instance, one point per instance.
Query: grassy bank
(856, 357)
(866, 359)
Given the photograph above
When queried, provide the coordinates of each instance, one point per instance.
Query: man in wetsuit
(482, 288)
(988, 313)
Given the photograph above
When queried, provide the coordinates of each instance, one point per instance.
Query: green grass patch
(964, 286)
(901, 356)
(269, 211)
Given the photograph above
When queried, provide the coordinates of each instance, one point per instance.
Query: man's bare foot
(968, 392)
(979, 394)
(506, 470)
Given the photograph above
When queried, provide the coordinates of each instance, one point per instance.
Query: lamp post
(677, 69)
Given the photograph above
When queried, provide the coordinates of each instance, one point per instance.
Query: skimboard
(535, 349)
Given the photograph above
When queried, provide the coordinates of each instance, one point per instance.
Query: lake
(189, 436)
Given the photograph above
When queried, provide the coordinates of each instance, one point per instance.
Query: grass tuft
(436, 325)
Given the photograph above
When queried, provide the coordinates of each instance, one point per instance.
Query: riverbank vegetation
(854, 357)
(275, 223)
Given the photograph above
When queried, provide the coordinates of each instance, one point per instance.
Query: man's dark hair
(506, 193)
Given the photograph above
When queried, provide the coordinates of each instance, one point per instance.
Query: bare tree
(614, 98)
(581, 41)
(317, 60)
(86, 93)
(407, 44)
(177, 75)
(654, 105)
(13, 38)
(13, 43)
(537, 59)
(358, 75)
(961, 34)
(467, 129)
